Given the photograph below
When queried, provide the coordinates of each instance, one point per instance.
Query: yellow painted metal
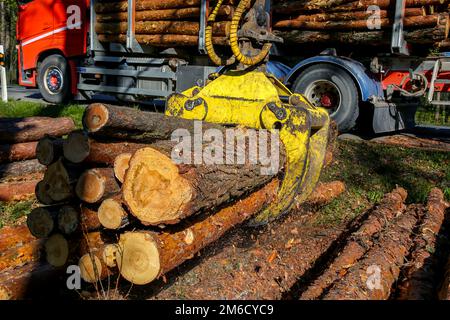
(252, 99)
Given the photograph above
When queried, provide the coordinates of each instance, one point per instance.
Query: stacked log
(160, 23)
(20, 170)
(367, 22)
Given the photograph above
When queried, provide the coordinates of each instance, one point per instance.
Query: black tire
(53, 79)
(348, 110)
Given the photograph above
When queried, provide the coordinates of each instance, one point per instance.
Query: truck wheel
(332, 88)
(54, 79)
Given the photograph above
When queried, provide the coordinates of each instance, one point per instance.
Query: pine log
(49, 150)
(359, 242)
(68, 219)
(16, 236)
(76, 147)
(162, 27)
(17, 152)
(160, 253)
(409, 22)
(18, 191)
(15, 130)
(158, 191)
(58, 183)
(97, 184)
(112, 214)
(41, 221)
(29, 253)
(225, 12)
(145, 5)
(121, 164)
(131, 124)
(161, 40)
(20, 168)
(89, 219)
(41, 193)
(57, 250)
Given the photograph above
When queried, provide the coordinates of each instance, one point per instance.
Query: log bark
(18, 191)
(161, 40)
(225, 12)
(420, 277)
(161, 253)
(359, 242)
(89, 219)
(15, 130)
(145, 5)
(157, 191)
(97, 184)
(112, 214)
(20, 168)
(49, 150)
(121, 164)
(388, 254)
(12, 237)
(29, 253)
(162, 27)
(130, 124)
(17, 152)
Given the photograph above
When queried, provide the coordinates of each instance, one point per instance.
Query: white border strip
(48, 34)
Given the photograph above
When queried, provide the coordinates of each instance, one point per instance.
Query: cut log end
(90, 187)
(121, 164)
(40, 222)
(68, 220)
(57, 250)
(95, 117)
(41, 192)
(111, 214)
(57, 183)
(110, 252)
(45, 151)
(138, 257)
(153, 189)
(76, 148)
(90, 268)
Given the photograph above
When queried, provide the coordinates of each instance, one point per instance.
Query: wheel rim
(324, 94)
(53, 80)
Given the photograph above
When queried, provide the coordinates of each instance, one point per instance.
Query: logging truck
(61, 51)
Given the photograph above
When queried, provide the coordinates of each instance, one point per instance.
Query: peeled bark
(18, 191)
(360, 241)
(160, 253)
(17, 152)
(131, 124)
(49, 150)
(15, 130)
(20, 168)
(161, 40)
(145, 5)
(162, 27)
(95, 185)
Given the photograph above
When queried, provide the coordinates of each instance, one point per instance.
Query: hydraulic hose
(244, 59)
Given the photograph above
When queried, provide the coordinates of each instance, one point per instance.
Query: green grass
(371, 170)
(19, 109)
(10, 213)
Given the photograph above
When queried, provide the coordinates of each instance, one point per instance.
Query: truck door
(35, 20)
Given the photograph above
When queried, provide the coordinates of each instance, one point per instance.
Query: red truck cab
(52, 36)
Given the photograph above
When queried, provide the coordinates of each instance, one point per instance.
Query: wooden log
(29, 253)
(421, 274)
(68, 219)
(131, 124)
(89, 219)
(76, 147)
(387, 254)
(41, 221)
(145, 5)
(20, 168)
(121, 164)
(157, 191)
(15, 130)
(58, 183)
(97, 184)
(41, 193)
(225, 12)
(359, 242)
(49, 150)
(160, 253)
(112, 214)
(161, 40)
(17, 152)
(325, 191)
(409, 22)
(16, 236)
(18, 191)
(57, 250)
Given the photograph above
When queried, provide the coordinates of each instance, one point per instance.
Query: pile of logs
(160, 23)
(366, 22)
(19, 169)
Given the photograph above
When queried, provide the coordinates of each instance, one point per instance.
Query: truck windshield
(22, 2)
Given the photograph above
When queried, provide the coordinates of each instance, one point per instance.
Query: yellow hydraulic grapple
(246, 95)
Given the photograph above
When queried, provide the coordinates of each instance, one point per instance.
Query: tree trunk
(49, 150)
(95, 185)
(130, 124)
(162, 27)
(161, 253)
(17, 152)
(157, 191)
(15, 130)
(29, 253)
(145, 5)
(20, 168)
(12, 237)
(161, 40)
(18, 191)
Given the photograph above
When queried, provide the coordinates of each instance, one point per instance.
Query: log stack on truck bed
(365, 22)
